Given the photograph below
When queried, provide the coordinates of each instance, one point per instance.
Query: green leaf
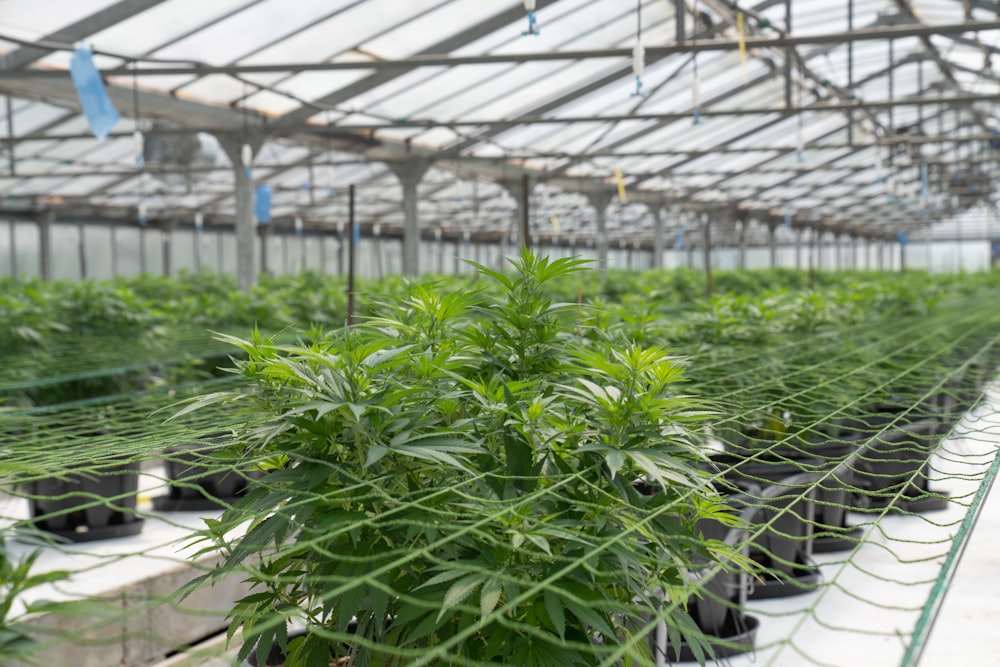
(615, 459)
(554, 608)
(460, 590)
(540, 542)
(489, 597)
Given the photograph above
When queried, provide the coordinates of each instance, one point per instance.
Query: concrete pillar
(410, 172)
(600, 201)
(246, 262)
(881, 257)
(45, 220)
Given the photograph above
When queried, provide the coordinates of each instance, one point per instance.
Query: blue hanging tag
(788, 217)
(97, 106)
(262, 204)
(679, 240)
(902, 238)
(357, 233)
(925, 190)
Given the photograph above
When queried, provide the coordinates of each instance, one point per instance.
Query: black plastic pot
(66, 507)
(718, 610)
(835, 495)
(784, 547)
(893, 468)
(199, 486)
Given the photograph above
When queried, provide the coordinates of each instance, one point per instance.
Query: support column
(707, 230)
(798, 249)
(772, 244)
(264, 234)
(410, 172)
(167, 234)
(659, 235)
(12, 236)
(741, 260)
(45, 220)
(818, 234)
(600, 201)
(881, 257)
(81, 247)
(246, 262)
(520, 190)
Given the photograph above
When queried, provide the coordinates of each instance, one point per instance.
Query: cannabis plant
(466, 480)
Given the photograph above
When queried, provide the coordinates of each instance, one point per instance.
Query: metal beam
(395, 68)
(94, 23)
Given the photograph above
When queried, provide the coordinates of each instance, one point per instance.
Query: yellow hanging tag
(620, 180)
(555, 224)
(743, 46)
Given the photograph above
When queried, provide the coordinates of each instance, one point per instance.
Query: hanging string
(529, 6)
(696, 84)
(741, 37)
(638, 52)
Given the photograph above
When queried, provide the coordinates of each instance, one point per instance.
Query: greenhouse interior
(510, 332)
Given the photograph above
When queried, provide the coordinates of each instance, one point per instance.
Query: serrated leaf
(460, 590)
(615, 459)
(440, 578)
(489, 597)
(554, 608)
(540, 542)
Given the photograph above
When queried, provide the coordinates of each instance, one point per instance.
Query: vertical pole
(680, 10)
(525, 212)
(850, 70)
(114, 250)
(742, 257)
(798, 249)
(789, 51)
(902, 258)
(45, 220)
(881, 262)
(812, 257)
(354, 233)
(246, 269)
(707, 227)
(602, 239)
(264, 234)
(818, 233)
(772, 245)
(142, 249)
(220, 251)
(198, 239)
(322, 254)
(81, 246)
(411, 228)
(166, 237)
(12, 235)
(659, 237)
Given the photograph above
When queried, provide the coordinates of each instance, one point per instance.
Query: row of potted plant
(541, 459)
